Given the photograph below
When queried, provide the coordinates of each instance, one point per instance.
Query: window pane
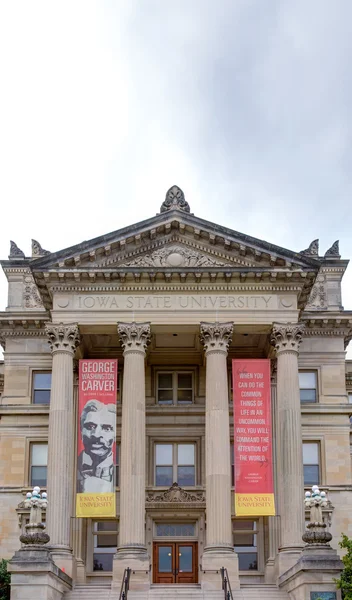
(185, 559)
(185, 454)
(246, 539)
(163, 454)
(165, 559)
(308, 395)
(310, 454)
(41, 397)
(245, 525)
(247, 561)
(105, 526)
(177, 529)
(350, 398)
(307, 380)
(42, 381)
(165, 380)
(184, 397)
(38, 476)
(39, 454)
(163, 476)
(107, 540)
(165, 397)
(185, 476)
(185, 381)
(311, 474)
(102, 562)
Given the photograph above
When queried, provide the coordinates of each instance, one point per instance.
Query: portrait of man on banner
(95, 464)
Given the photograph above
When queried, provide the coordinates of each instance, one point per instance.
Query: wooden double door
(175, 562)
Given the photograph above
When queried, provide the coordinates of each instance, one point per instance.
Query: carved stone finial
(37, 250)
(35, 534)
(334, 251)
(134, 337)
(286, 337)
(216, 337)
(15, 251)
(175, 198)
(63, 338)
(316, 534)
(312, 250)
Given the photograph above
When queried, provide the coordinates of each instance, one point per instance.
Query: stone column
(132, 551)
(219, 549)
(286, 339)
(63, 340)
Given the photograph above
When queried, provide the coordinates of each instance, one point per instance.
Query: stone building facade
(175, 298)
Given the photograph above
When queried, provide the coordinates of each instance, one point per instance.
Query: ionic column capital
(216, 337)
(63, 338)
(134, 337)
(286, 337)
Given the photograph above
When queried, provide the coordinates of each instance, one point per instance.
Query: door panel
(175, 562)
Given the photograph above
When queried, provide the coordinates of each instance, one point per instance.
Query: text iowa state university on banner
(96, 440)
(254, 491)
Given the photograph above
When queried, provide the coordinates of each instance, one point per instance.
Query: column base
(63, 558)
(315, 570)
(135, 558)
(213, 559)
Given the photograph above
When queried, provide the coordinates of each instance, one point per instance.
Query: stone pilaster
(216, 338)
(132, 551)
(63, 340)
(286, 339)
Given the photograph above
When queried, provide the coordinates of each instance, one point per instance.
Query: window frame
(175, 464)
(316, 389)
(175, 373)
(92, 535)
(34, 389)
(318, 442)
(31, 443)
(260, 542)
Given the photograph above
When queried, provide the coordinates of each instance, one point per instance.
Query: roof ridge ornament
(15, 251)
(175, 199)
(334, 251)
(37, 250)
(312, 250)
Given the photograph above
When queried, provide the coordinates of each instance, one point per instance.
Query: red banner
(96, 440)
(254, 489)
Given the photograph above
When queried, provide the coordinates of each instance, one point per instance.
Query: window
(174, 463)
(174, 388)
(311, 465)
(308, 386)
(245, 536)
(104, 544)
(175, 529)
(41, 387)
(38, 464)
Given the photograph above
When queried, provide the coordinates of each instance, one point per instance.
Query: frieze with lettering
(172, 302)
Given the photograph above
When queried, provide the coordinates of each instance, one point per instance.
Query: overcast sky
(245, 104)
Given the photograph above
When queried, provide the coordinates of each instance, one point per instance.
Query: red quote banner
(96, 440)
(254, 489)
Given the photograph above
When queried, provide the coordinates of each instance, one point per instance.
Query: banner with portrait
(254, 487)
(96, 439)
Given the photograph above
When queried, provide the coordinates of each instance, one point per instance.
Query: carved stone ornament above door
(175, 494)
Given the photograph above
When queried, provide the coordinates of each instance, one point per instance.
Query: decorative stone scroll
(312, 250)
(175, 199)
(31, 296)
(63, 338)
(286, 337)
(317, 298)
(216, 336)
(334, 251)
(15, 251)
(174, 257)
(134, 336)
(37, 250)
(175, 494)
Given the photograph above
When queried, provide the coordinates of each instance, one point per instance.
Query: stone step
(100, 591)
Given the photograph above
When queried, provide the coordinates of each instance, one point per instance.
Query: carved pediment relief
(175, 494)
(174, 256)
